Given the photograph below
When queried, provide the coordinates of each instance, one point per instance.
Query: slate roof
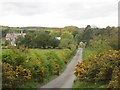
(14, 36)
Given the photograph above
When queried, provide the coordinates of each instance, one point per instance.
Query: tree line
(70, 36)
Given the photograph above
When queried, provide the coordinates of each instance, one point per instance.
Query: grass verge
(83, 85)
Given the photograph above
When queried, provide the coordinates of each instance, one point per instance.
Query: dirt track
(65, 80)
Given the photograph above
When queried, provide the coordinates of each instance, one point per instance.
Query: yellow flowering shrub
(80, 68)
(13, 76)
(102, 68)
(55, 68)
(22, 73)
(8, 75)
(21, 66)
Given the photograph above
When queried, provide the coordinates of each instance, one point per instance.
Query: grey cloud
(79, 11)
(72, 10)
(25, 8)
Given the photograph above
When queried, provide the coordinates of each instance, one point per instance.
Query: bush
(21, 66)
(102, 68)
(115, 81)
(14, 76)
(8, 75)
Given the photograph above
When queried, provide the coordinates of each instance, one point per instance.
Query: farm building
(11, 37)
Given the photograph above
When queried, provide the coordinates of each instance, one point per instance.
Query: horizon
(92, 26)
(54, 27)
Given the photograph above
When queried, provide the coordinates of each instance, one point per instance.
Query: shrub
(102, 68)
(8, 75)
(14, 76)
(21, 66)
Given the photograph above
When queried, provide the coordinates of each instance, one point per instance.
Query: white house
(11, 37)
(58, 38)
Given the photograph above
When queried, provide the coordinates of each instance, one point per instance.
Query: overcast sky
(59, 13)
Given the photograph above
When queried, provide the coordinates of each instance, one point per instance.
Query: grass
(83, 85)
(33, 85)
(29, 85)
(91, 52)
(88, 52)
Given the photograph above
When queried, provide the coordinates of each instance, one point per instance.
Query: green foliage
(4, 31)
(14, 57)
(22, 65)
(66, 40)
(41, 64)
(13, 76)
(54, 34)
(102, 68)
(87, 34)
(99, 45)
(78, 38)
(97, 66)
(8, 75)
(38, 39)
(53, 42)
(26, 41)
(70, 28)
(115, 81)
(86, 85)
(108, 36)
(41, 39)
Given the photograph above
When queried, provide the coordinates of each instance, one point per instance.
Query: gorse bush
(115, 80)
(13, 76)
(102, 68)
(8, 75)
(21, 66)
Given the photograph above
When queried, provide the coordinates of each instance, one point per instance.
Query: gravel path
(65, 80)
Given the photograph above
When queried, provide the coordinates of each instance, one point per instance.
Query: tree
(87, 34)
(27, 41)
(41, 39)
(53, 42)
(66, 40)
(70, 28)
(54, 34)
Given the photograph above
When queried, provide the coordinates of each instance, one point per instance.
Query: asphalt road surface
(66, 79)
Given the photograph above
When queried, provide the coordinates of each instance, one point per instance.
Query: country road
(65, 80)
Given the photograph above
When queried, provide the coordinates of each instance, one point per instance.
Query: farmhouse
(11, 37)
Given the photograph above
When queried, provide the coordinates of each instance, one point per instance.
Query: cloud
(56, 12)
(24, 8)
(82, 10)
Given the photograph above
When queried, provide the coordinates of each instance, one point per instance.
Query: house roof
(14, 35)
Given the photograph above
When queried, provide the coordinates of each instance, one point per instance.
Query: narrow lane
(65, 80)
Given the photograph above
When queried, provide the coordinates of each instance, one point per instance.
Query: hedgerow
(102, 68)
(20, 66)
